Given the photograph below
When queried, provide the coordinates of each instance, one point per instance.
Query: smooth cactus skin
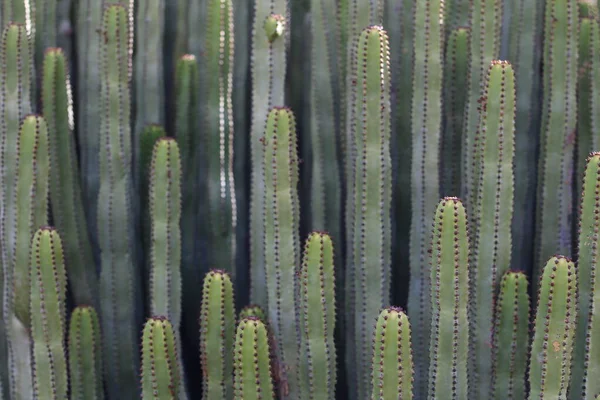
(115, 216)
(492, 159)
(218, 132)
(558, 132)
(392, 359)
(282, 241)
(456, 74)
(217, 335)
(511, 338)
(48, 319)
(161, 372)
(370, 248)
(426, 129)
(585, 365)
(554, 330)
(268, 72)
(449, 302)
(85, 355)
(317, 315)
(65, 190)
(252, 369)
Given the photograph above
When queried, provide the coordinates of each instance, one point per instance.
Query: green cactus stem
(253, 310)
(148, 138)
(511, 338)
(65, 191)
(456, 15)
(48, 319)
(449, 302)
(115, 217)
(554, 330)
(268, 72)
(217, 335)
(252, 368)
(425, 181)
(317, 315)
(282, 241)
(492, 159)
(392, 371)
(85, 355)
(161, 372)
(45, 26)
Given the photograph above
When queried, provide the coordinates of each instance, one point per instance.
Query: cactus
(268, 68)
(370, 259)
(115, 217)
(218, 133)
(559, 113)
(449, 302)
(217, 332)
(65, 191)
(45, 26)
(161, 372)
(148, 138)
(85, 355)
(511, 338)
(317, 315)
(252, 371)
(456, 15)
(585, 361)
(255, 311)
(48, 317)
(17, 11)
(554, 329)
(456, 75)
(425, 181)
(282, 239)
(492, 159)
(392, 358)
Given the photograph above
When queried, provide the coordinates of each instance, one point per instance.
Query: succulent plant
(85, 355)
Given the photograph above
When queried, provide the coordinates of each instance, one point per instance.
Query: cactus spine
(48, 317)
(559, 113)
(161, 372)
(253, 311)
(148, 138)
(449, 302)
(281, 240)
(268, 68)
(115, 216)
(511, 338)
(456, 76)
(425, 181)
(317, 314)
(85, 355)
(217, 335)
(392, 359)
(550, 361)
(218, 130)
(65, 191)
(370, 253)
(252, 369)
(585, 360)
(492, 157)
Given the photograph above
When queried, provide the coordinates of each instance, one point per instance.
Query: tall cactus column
(115, 217)
(425, 182)
(370, 247)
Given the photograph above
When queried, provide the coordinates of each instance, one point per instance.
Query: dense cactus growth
(85, 355)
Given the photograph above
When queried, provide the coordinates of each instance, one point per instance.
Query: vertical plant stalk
(219, 133)
(48, 317)
(85, 355)
(148, 138)
(371, 234)
(65, 190)
(19, 12)
(511, 338)
(268, 71)
(317, 314)
(217, 335)
(493, 156)
(449, 302)
(282, 243)
(252, 370)
(554, 330)
(456, 16)
(426, 127)
(45, 27)
(392, 372)
(115, 217)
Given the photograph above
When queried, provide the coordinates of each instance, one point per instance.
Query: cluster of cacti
(162, 163)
